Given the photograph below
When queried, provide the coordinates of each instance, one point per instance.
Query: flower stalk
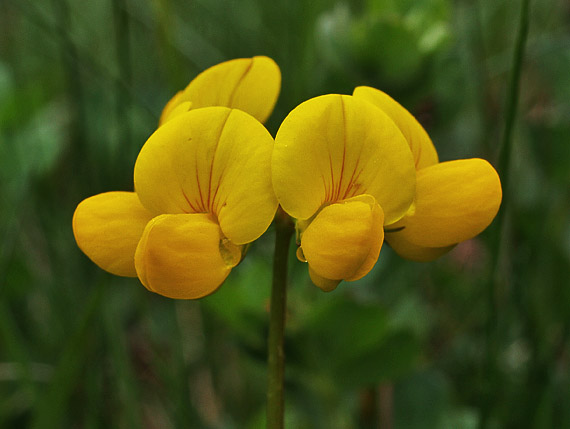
(492, 374)
(276, 356)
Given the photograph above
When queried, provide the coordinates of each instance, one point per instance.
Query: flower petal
(455, 201)
(344, 239)
(108, 227)
(172, 104)
(183, 107)
(419, 141)
(184, 256)
(376, 236)
(334, 147)
(248, 84)
(326, 285)
(211, 160)
(413, 252)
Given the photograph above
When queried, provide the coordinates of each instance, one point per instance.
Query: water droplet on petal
(231, 254)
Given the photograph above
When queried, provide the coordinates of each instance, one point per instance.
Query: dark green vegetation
(479, 337)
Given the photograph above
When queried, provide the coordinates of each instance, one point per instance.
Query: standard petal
(419, 141)
(170, 106)
(248, 84)
(344, 239)
(108, 227)
(244, 200)
(211, 160)
(183, 107)
(184, 256)
(334, 147)
(413, 252)
(455, 201)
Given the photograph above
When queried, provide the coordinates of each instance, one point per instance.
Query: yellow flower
(454, 201)
(203, 186)
(203, 191)
(248, 84)
(343, 169)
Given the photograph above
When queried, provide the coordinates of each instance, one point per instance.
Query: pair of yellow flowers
(352, 170)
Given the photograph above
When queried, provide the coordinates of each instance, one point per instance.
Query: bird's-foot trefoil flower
(343, 169)
(248, 84)
(203, 191)
(454, 200)
(203, 186)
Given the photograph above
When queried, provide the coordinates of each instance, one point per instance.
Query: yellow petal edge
(107, 228)
(418, 139)
(248, 84)
(413, 252)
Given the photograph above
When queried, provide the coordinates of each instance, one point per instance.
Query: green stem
(513, 96)
(276, 356)
(492, 374)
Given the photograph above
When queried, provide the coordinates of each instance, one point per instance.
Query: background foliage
(479, 337)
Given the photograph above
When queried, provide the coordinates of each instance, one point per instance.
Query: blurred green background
(479, 338)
